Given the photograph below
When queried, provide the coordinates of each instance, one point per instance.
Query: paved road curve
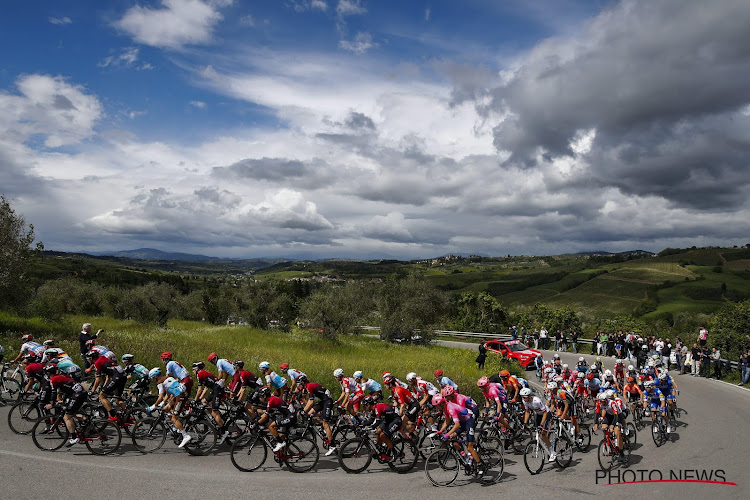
(712, 436)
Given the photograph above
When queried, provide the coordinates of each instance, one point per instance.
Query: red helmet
(213, 356)
(386, 374)
(166, 355)
(438, 373)
(27, 337)
(482, 382)
(388, 379)
(590, 376)
(284, 366)
(447, 391)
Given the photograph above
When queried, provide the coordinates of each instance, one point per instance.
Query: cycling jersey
(106, 366)
(32, 347)
(496, 392)
(35, 370)
(208, 379)
(103, 351)
(655, 398)
(666, 387)
(456, 412)
(224, 366)
(317, 391)
(424, 387)
(294, 374)
(244, 378)
(68, 367)
(137, 370)
(275, 381)
(176, 370)
(371, 385)
(349, 385)
(61, 355)
(66, 385)
(402, 396)
(466, 402)
(536, 405)
(443, 381)
(172, 387)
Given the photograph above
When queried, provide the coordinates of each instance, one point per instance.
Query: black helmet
(50, 369)
(92, 354)
(31, 358)
(264, 392)
(368, 400)
(301, 379)
(199, 365)
(239, 364)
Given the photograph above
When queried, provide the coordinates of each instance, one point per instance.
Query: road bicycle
(356, 454)
(443, 464)
(609, 453)
(10, 386)
(150, 434)
(101, 436)
(248, 453)
(659, 429)
(581, 440)
(535, 454)
(24, 414)
(343, 428)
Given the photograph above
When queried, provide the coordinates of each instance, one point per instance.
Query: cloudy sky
(377, 128)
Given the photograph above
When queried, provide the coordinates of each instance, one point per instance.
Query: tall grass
(317, 357)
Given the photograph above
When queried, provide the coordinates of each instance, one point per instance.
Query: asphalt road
(712, 438)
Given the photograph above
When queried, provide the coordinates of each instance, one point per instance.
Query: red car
(513, 349)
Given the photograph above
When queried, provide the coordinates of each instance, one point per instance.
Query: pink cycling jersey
(455, 412)
(495, 392)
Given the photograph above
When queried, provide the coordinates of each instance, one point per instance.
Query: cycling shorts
(324, 409)
(286, 422)
(538, 420)
(412, 411)
(74, 403)
(655, 406)
(468, 426)
(357, 397)
(217, 396)
(390, 424)
(115, 386)
(188, 383)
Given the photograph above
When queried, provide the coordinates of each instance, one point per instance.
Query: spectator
(543, 338)
(666, 351)
(702, 336)
(706, 362)
(684, 351)
(564, 342)
(658, 346)
(716, 357)
(482, 356)
(695, 362)
(603, 342)
(595, 344)
(536, 339)
(574, 339)
(84, 337)
(513, 332)
(744, 368)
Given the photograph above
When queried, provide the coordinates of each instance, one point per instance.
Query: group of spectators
(543, 339)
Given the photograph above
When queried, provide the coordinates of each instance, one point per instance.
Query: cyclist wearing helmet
(135, 371)
(292, 374)
(632, 391)
(495, 394)
(460, 420)
(395, 379)
(320, 403)
(34, 372)
(369, 386)
(422, 388)
(610, 413)
(206, 381)
(593, 385)
(351, 392)
(171, 392)
(177, 371)
(287, 417)
(225, 367)
(276, 383)
(84, 337)
(65, 364)
(541, 418)
(72, 394)
(29, 347)
(388, 422)
(582, 365)
(510, 384)
(114, 381)
(666, 384)
(564, 401)
(244, 382)
(406, 404)
(443, 381)
(654, 400)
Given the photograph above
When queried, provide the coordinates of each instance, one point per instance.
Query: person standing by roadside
(482, 356)
(706, 361)
(536, 339)
(574, 339)
(666, 351)
(604, 341)
(702, 336)
(696, 354)
(716, 357)
(683, 357)
(84, 337)
(744, 368)
(543, 338)
(558, 338)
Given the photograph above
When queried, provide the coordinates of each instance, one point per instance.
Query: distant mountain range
(627, 252)
(154, 254)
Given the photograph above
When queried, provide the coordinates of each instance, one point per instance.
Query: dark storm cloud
(268, 169)
(662, 83)
(63, 103)
(359, 121)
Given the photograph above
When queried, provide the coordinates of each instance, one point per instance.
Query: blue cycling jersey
(225, 366)
(654, 397)
(176, 370)
(446, 381)
(665, 386)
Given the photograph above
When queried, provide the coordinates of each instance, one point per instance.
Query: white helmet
(580, 359)
(338, 372)
(556, 356)
(581, 375)
(607, 373)
(411, 376)
(662, 375)
(565, 366)
(631, 368)
(558, 378)
(649, 383)
(651, 364)
(602, 396)
(357, 374)
(548, 370)
(620, 362)
(154, 372)
(525, 392)
(609, 393)
(264, 365)
(551, 385)
(644, 347)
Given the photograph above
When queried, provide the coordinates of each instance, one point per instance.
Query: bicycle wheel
(203, 437)
(405, 455)
(658, 432)
(49, 434)
(492, 466)
(564, 450)
(605, 455)
(10, 390)
(632, 432)
(428, 444)
(520, 439)
(441, 466)
(583, 438)
(102, 437)
(355, 455)
(625, 452)
(22, 417)
(237, 428)
(249, 452)
(149, 434)
(301, 454)
(533, 456)
(342, 433)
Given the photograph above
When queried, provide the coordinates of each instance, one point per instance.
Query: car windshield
(516, 347)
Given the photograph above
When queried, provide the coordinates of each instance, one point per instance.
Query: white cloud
(177, 23)
(49, 106)
(319, 4)
(350, 8)
(127, 58)
(362, 43)
(60, 20)
(247, 20)
(198, 104)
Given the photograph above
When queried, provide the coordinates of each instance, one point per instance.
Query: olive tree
(16, 254)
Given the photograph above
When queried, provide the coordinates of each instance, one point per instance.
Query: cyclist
(206, 381)
(65, 364)
(510, 384)
(462, 420)
(319, 402)
(442, 380)
(449, 394)
(653, 400)
(611, 414)
(582, 365)
(388, 423)
(34, 371)
(541, 418)
(288, 417)
(633, 392)
(29, 347)
(609, 378)
(557, 364)
(244, 382)
(171, 392)
(225, 368)
(135, 371)
(406, 404)
(422, 388)
(276, 383)
(72, 394)
(564, 402)
(114, 384)
(620, 372)
(666, 384)
(495, 394)
(292, 374)
(93, 346)
(351, 393)
(368, 384)
(177, 371)
(398, 382)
